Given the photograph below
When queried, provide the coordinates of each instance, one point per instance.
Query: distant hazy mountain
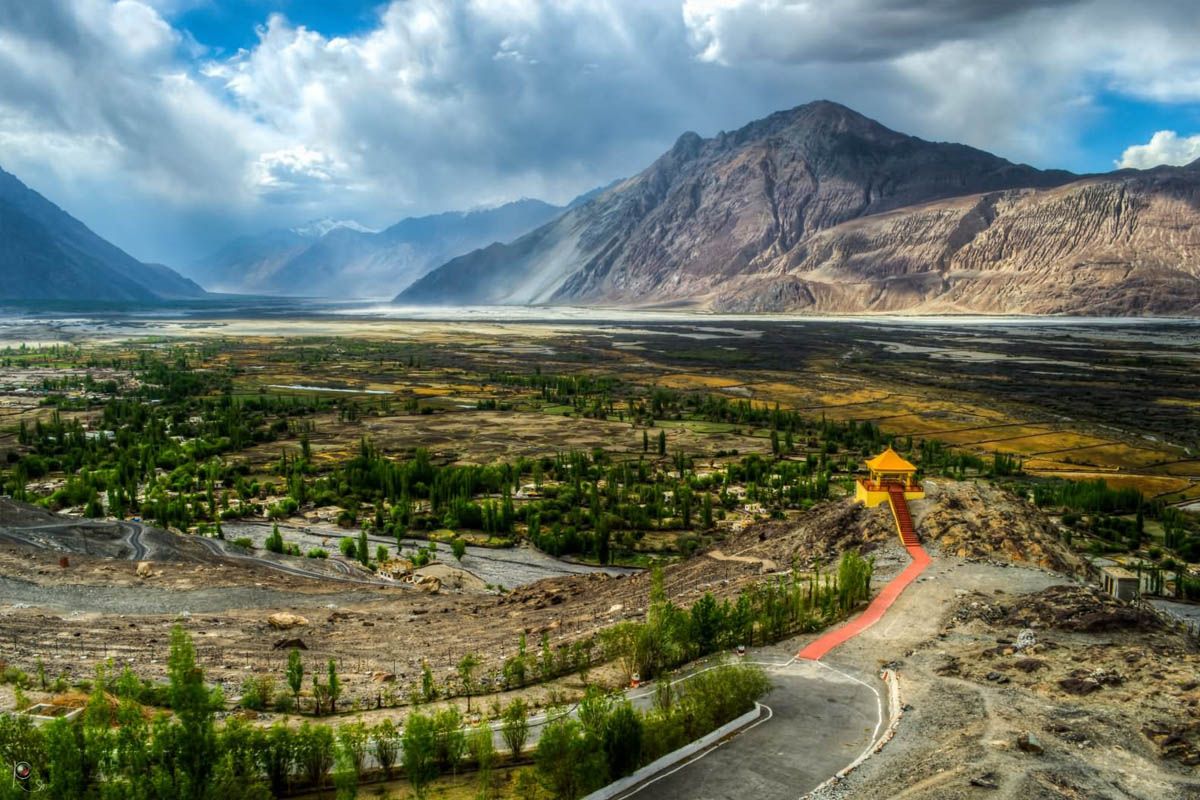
(345, 260)
(46, 254)
(822, 209)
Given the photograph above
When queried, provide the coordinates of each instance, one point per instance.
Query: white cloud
(140, 30)
(1164, 147)
(293, 170)
(442, 104)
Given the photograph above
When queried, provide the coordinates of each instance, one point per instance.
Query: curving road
(821, 719)
(346, 575)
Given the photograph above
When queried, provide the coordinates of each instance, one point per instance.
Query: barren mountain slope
(1124, 244)
(821, 209)
(710, 209)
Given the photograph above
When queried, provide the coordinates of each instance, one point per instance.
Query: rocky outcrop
(979, 521)
(822, 210)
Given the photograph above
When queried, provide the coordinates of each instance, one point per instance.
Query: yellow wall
(872, 499)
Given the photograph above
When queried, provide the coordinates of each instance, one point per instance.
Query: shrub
(275, 543)
(244, 542)
(317, 552)
(348, 547)
(258, 692)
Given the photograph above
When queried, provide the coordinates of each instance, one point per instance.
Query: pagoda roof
(890, 461)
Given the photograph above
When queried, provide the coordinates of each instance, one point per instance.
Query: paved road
(821, 719)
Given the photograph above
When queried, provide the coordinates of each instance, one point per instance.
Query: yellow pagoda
(888, 471)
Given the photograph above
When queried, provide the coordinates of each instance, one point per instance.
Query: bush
(317, 552)
(348, 547)
(258, 692)
(275, 543)
(244, 542)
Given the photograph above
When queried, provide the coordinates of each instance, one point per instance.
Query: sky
(171, 126)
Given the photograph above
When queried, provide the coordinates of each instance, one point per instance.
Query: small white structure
(44, 713)
(1120, 583)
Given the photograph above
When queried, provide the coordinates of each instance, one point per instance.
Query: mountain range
(46, 254)
(820, 209)
(816, 209)
(342, 260)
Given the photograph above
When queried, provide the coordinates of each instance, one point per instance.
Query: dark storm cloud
(802, 31)
(446, 104)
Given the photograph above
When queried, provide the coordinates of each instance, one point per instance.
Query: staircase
(904, 523)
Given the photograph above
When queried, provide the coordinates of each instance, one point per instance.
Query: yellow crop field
(1149, 485)
(689, 381)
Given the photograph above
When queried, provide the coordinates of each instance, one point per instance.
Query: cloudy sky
(171, 125)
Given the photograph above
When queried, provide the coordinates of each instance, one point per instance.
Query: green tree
(275, 540)
(420, 752)
(428, 687)
(451, 740)
(706, 624)
(364, 553)
(622, 643)
(662, 443)
(566, 763)
(353, 740)
(623, 732)
(466, 675)
(514, 726)
(314, 752)
(345, 778)
(483, 752)
(459, 547)
(333, 687)
(194, 706)
(277, 754)
(386, 743)
(295, 674)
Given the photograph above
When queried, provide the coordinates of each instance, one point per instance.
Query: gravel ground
(959, 737)
(507, 567)
(153, 600)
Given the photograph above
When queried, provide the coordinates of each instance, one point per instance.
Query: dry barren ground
(1107, 699)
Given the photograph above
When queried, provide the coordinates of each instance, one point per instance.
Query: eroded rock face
(976, 520)
(821, 209)
(1114, 245)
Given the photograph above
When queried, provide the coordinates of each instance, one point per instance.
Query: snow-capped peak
(319, 227)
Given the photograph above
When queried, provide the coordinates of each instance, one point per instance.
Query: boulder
(144, 569)
(1028, 743)
(1078, 685)
(428, 583)
(290, 644)
(283, 620)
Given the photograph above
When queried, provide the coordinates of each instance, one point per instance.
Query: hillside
(346, 261)
(46, 254)
(821, 209)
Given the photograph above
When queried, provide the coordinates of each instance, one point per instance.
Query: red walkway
(817, 649)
